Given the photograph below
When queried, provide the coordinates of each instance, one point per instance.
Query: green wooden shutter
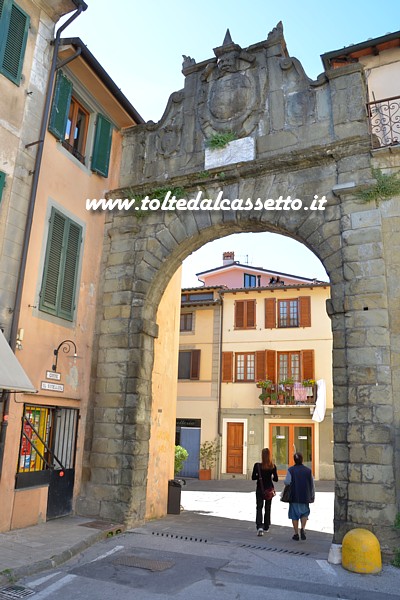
(60, 106)
(73, 240)
(58, 292)
(102, 146)
(52, 267)
(2, 180)
(14, 40)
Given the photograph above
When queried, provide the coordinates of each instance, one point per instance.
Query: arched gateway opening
(294, 138)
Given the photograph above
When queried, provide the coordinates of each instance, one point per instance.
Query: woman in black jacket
(266, 470)
(302, 493)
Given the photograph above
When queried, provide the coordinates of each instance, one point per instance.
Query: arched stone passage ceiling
(316, 230)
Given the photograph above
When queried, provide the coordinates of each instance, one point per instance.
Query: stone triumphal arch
(293, 137)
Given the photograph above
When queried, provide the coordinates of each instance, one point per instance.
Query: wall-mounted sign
(280, 437)
(188, 422)
(303, 437)
(52, 387)
(53, 375)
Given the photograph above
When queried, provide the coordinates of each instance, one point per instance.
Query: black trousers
(266, 505)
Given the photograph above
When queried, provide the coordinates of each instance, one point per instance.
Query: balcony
(295, 394)
(384, 119)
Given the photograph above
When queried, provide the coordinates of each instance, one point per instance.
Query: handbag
(269, 493)
(286, 493)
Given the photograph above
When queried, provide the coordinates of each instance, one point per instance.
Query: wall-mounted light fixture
(20, 337)
(66, 346)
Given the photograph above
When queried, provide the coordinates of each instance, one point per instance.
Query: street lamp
(66, 346)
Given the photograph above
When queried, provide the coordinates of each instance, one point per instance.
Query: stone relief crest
(168, 138)
(230, 92)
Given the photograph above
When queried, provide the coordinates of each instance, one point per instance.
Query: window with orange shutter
(227, 367)
(245, 314)
(270, 313)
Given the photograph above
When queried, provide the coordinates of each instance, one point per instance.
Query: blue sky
(141, 47)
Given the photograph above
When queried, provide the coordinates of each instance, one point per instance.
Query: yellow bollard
(361, 552)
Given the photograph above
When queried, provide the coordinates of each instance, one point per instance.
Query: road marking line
(325, 566)
(37, 582)
(55, 587)
(116, 549)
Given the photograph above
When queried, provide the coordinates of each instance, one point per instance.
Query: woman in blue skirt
(302, 494)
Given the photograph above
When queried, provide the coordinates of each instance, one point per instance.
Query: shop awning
(12, 375)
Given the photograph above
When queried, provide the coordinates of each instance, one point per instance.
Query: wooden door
(234, 451)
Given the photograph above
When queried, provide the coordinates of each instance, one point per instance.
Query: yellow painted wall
(382, 74)
(199, 399)
(163, 409)
(317, 337)
(201, 338)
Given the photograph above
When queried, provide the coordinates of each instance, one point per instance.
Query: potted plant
(274, 397)
(265, 397)
(309, 384)
(208, 456)
(181, 455)
(264, 383)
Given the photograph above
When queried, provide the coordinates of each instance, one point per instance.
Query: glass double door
(286, 439)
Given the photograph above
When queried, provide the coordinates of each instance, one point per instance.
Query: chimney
(228, 258)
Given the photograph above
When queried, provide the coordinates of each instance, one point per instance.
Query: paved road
(139, 565)
(198, 556)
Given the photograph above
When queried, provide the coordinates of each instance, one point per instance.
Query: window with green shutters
(14, 25)
(102, 146)
(60, 106)
(59, 285)
(2, 183)
(69, 123)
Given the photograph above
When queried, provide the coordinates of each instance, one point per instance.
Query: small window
(288, 313)
(76, 130)
(69, 122)
(250, 281)
(189, 364)
(245, 367)
(59, 285)
(186, 322)
(201, 296)
(14, 25)
(2, 182)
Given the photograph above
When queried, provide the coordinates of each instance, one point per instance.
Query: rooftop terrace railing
(384, 118)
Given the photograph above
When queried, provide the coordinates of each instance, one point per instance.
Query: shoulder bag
(269, 493)
(286, 493)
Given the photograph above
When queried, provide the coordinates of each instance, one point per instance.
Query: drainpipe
(81, 6)
(219, 428)
(220, 369)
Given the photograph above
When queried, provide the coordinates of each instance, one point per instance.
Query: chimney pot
(228, 258)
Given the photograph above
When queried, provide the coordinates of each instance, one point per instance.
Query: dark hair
(266, 459)
(298, 458)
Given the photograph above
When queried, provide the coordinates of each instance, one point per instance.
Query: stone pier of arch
(298, 138)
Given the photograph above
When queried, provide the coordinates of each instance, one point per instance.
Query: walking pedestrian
(302, 494)
(264, 473)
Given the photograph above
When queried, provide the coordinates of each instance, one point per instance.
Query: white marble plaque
(237, 151)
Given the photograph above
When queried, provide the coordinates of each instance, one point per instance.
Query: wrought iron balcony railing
(293, 395)
(384, 119)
